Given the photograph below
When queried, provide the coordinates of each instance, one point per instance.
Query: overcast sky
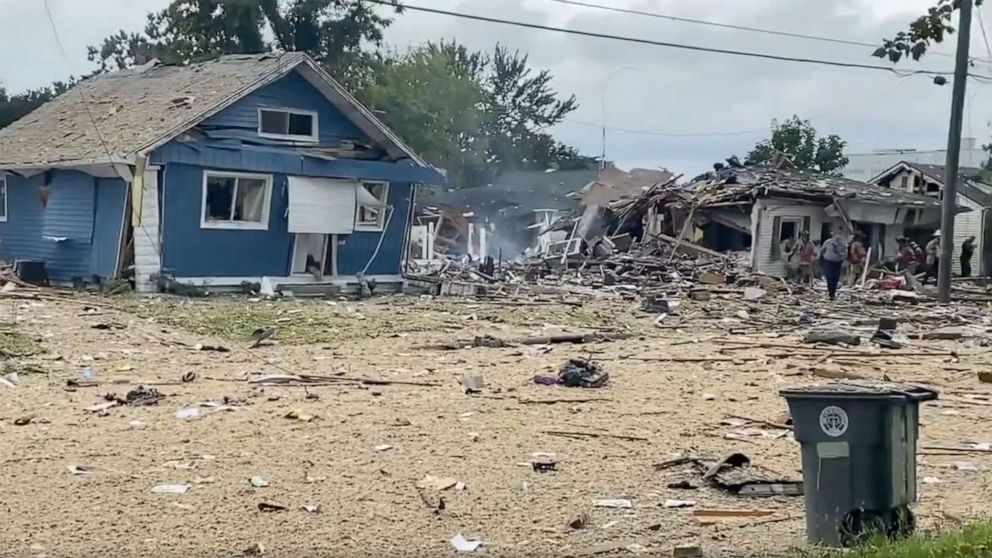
(664, 107)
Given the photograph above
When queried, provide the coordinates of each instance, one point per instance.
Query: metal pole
(953, 154)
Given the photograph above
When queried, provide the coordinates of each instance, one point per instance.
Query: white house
(781, 204)
(973, 193)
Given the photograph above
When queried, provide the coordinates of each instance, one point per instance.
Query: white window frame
(314, 137)
(3, 185)
(238, 225)
(381, 223)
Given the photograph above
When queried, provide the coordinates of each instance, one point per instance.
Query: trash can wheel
(903, 522)
(860, 526)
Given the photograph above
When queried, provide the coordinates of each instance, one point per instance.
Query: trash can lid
(848, 390)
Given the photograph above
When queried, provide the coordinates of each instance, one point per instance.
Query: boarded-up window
(321, 205)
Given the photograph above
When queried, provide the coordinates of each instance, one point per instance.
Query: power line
(679, 19)
(636, 40)
(86, 106)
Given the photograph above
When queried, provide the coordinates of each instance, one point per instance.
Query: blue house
(232, 170)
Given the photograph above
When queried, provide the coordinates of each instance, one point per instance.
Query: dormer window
(287, 124)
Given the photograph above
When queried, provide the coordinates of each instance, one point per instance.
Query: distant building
(974, 193)
(865, 166)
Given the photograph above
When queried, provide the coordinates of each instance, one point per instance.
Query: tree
(14, 107)
(472, 113)
(926, 30)
(331, 31)
(432, 99)
(798, 139)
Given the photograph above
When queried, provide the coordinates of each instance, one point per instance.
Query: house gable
(240, 121)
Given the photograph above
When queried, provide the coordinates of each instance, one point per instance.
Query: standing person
(832, 255)
(967, 251)
(932, 257)
(790, 250)
(856, 256)
(906, 258)
(807, 257)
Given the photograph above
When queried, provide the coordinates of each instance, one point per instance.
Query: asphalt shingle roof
(131, 109)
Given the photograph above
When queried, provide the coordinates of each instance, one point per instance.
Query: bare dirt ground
(368, 499)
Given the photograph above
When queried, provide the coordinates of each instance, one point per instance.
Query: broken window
(783, 230)
(236, 201)
(3, 198)
(291, 124)
(371, 210)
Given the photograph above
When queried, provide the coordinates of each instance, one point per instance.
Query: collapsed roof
(745, 184)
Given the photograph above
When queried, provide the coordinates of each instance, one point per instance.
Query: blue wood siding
(190, 251)
(240, 120)
(111, 202)
(34, 232)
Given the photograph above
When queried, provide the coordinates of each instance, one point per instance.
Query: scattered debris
(435, 483)
(473, 383)
(614, 503)
(300, 415)
(82, 470)
(671, 504)
(215, 348)
(831, 337)
(383, 447)
(577, 373)
(268, 507)
(171, 489)
(311, 508)
(688, 551)
(463, 544)
(577, 521)
(258, 482)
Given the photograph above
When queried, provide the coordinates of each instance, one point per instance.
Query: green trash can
(859, 458)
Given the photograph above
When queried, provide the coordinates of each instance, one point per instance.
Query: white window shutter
(321, 205)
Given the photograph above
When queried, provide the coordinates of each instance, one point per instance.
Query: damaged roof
(735, 184)
(972, 181)
(117, 115)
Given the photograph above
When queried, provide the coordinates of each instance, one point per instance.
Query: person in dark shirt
(967, 251)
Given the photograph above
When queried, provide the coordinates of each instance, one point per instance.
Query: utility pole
(949, 205)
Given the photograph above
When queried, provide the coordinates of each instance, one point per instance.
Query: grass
(973, 541)
(15, 344)
(300, 322)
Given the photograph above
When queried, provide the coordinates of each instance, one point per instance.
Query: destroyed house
(516, 212)
(215, 174)
(974, 192)
(771, 206)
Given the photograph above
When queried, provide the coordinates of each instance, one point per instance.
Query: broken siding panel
(240, 120)
(111, 203)
(283, 160)
(768, 211)
(70, 213)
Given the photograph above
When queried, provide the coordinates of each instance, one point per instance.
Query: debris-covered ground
(147, 426)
